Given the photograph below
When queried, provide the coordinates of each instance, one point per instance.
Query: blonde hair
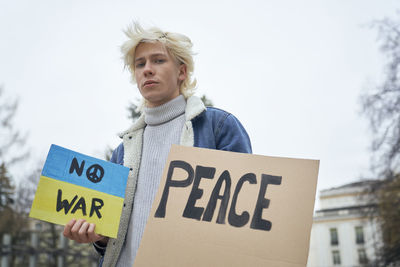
(178, 45)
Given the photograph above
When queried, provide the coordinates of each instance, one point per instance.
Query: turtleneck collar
(166, 112)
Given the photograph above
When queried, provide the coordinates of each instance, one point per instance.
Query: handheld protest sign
(73, 185)
(218, 208)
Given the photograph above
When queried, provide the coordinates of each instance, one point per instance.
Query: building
(342, 235)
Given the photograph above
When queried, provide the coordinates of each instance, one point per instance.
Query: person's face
(157, 74)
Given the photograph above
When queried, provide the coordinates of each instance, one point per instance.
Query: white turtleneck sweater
(164, 127)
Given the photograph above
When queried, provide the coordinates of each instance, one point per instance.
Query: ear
(182, 72)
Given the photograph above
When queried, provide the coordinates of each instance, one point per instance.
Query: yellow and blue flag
(73, 185)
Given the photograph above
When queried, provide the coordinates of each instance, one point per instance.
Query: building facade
(342, 234)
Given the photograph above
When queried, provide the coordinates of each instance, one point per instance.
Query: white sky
(291, 71)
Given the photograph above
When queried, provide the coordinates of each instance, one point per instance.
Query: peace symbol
(95, 173)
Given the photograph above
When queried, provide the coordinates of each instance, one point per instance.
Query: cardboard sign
(218, 208)
(73, 185)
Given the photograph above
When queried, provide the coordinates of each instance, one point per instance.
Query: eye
(139, 65)
(159, 61)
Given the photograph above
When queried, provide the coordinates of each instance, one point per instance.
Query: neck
(165, 112)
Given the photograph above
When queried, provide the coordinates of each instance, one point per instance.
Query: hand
(83, 232)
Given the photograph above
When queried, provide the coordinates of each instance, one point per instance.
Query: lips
(149, 83)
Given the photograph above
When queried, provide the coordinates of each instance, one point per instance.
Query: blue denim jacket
(217, 129)
(210, 128)
(214, 129)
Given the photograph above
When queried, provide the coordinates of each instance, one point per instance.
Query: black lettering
(81, 204)
(160, 212)
(96, 208)
(75, 166)
(191, 211)
(233, 218)
(262, 203)
(208, 214)
(64, 204)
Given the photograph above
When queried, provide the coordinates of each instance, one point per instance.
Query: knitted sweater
(164, 127)
(208, 128)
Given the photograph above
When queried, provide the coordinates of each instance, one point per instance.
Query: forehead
(149, 49)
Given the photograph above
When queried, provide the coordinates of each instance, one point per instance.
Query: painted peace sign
(95, 173)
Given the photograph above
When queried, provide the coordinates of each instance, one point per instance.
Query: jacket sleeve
(117, 157)
(100, 249)
(231, 135)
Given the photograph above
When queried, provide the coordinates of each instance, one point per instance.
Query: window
(362, 256)
(334, 236)
(336, 257)
(359, 235)
(38, 226)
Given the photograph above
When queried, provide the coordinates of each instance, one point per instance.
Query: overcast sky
(291, 71)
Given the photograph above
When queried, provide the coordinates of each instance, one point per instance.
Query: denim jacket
(204, 127)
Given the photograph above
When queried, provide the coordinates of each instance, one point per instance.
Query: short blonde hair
(178, 45)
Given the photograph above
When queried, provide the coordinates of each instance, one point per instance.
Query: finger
(75, 230)
(93, 237)
(67, 229)
(83, 233)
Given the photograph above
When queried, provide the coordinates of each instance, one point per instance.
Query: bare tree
(6, 199)
(382, 107)
(389, 218)
(11, 152)
(12, 141)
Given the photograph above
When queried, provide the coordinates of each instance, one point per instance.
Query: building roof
(351, 188)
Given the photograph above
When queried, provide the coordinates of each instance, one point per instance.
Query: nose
(148, 69)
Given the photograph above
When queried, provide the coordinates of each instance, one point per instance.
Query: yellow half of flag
(59, 202)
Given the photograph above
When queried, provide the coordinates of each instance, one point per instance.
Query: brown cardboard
(174, 240)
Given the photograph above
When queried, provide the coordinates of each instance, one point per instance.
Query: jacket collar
(194, 107)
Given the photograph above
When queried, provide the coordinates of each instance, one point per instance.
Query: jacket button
(130, 137)
(124, 204)
(131, 169)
